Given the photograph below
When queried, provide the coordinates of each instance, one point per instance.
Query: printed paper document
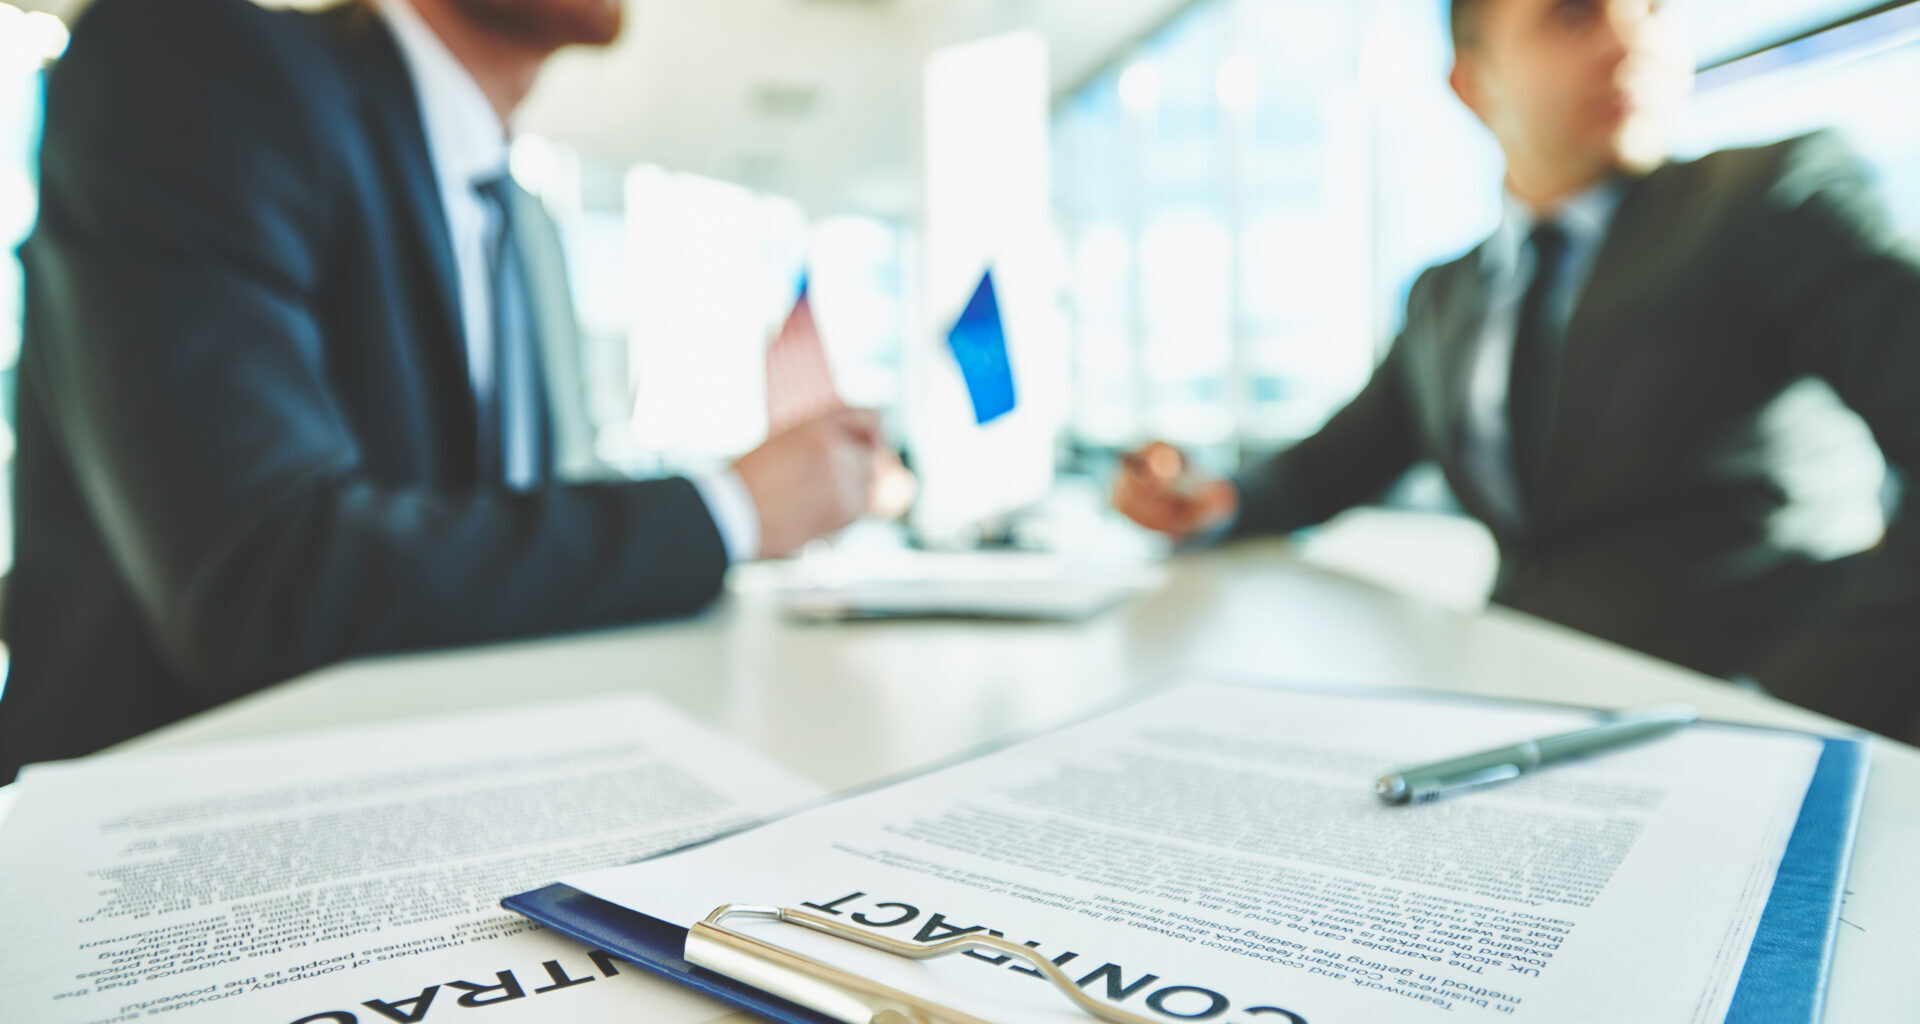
(1217, 853)
(354, 876)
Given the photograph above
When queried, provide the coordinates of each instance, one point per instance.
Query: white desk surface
(847, 704)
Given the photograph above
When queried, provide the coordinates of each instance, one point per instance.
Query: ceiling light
(1140, 87)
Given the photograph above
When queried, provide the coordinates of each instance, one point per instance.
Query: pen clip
(849, 997)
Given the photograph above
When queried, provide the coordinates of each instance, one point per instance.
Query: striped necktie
(516, 437)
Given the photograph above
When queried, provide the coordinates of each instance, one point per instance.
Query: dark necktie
(1535, 348)
(515, 446)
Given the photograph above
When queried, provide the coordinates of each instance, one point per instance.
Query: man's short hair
(1465, 21)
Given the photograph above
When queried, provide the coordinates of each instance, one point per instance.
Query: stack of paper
(1218, 853)
(353, 876)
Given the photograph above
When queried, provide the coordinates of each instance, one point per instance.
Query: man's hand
(1157, 490)
(813, 479)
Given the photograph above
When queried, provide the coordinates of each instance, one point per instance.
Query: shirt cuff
(731, 506)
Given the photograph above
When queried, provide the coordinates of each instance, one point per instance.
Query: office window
(1247, 196)
(712, 272)
(1244, 200)
(28, 41)
(680, 280)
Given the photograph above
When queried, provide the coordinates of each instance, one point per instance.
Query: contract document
(353, 876)
(1216, 852)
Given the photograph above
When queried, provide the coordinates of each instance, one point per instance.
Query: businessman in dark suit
(281, 395)
(1646, 383)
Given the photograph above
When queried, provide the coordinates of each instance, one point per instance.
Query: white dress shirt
(468, 144)
(1507, 268)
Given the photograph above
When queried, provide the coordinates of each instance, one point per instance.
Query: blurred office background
(1204, 216)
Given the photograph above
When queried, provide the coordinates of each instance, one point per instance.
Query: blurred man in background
(1633, 382)
(284, 397)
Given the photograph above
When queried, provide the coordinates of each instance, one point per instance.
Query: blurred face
(1574, 89)
(548, 24)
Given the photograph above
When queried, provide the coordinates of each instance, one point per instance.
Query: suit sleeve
(1846, 290)
(179, 264)
(1350, 460)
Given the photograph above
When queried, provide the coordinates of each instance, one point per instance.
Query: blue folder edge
(1784, 980)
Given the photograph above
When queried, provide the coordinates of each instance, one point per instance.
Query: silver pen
(1425, 782)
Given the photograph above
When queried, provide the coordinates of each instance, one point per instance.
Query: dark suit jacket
(246, 433)
(1696, 465)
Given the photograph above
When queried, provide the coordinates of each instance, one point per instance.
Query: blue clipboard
(1784, 980)
(650, 944)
